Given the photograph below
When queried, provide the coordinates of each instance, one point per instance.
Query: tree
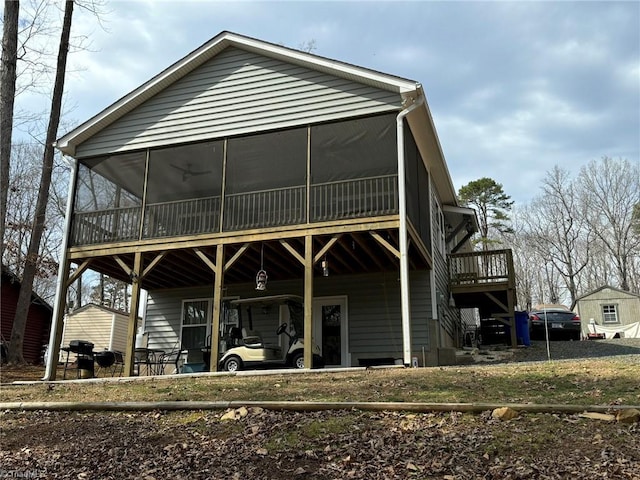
(26, 288)
(492, 204)
(612, 192)
(24, 178)
(7, 97)
(558, 231)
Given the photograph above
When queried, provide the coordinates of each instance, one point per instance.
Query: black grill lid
(81, 346)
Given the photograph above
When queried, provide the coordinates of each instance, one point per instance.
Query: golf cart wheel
(298, 360)
(233, 364)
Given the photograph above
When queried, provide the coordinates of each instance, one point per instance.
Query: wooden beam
(228, 238)
(308, 302)
(79, 271)
(237, 255)
(495, 300)
(207, 261)
(123, 265)
(293, 252)
(385, 244)
(133, 315)
(326, 248)
(373, 256)
(419, 245)
(153, 263)
(353, 257)
(218, 282)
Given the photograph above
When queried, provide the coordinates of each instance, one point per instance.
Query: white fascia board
(328, 65)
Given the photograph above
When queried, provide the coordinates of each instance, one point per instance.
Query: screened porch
(321, 173)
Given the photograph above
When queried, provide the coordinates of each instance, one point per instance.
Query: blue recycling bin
(522, 328)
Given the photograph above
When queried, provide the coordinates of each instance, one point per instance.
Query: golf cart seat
(251, 339)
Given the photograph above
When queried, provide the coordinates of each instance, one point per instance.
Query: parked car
(561, 322)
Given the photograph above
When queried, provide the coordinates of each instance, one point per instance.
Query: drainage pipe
(404, 244)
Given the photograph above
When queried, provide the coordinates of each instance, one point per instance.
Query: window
(609, 314)
(195, 324)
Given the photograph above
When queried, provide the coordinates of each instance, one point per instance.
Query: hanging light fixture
(325, 267)
(261, 277)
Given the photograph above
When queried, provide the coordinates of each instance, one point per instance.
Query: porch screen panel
(266, 180)
(354, 168)
(417, 188)
(108, 199)
(184, 190)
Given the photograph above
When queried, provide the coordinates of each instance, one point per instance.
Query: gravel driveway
(628, 348)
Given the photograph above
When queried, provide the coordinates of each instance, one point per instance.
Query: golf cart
(242, 347)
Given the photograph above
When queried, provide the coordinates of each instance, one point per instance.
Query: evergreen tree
(492, 205)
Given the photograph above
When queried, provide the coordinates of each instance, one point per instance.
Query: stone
(504, 413)
(628, 415)
(598, 416)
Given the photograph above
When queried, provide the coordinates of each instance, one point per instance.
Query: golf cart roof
(264, 301)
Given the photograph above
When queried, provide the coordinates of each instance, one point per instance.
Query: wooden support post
(308, 301)
(217, 302)
(133, 314)
(511, 293)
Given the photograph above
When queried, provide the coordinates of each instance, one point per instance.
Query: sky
(514, 88)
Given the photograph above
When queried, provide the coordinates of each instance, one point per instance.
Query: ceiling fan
(187, 172)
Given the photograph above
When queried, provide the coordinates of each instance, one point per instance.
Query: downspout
(61, 290)
(404, 244)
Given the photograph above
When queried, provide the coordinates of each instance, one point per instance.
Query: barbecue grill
(84, 358)
(81, 347)
(105, 359)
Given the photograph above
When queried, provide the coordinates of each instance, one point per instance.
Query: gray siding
(627, 306)
(375, 328)
(449, 318)
(238, 92)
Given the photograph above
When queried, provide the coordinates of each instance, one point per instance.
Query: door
(195, 328)
(330, 330)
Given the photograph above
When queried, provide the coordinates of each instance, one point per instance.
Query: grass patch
(581, 382)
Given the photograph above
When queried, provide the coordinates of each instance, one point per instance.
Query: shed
(610, 311)
(38, 321)
(105, 327)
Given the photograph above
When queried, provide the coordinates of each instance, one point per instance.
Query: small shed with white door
(610, 311)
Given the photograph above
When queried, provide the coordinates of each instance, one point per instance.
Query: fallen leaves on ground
(348, 444)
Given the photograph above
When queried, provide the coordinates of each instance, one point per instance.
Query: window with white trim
(609, 314)
(195, 323)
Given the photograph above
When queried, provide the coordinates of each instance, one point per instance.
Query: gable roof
(404, 87)
(409, 91)
(93, 306)
(619, 290)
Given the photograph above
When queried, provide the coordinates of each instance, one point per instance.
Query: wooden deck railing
(267, 208)
(184, 217)
(104, 226)
(366, 197)
(494, 266)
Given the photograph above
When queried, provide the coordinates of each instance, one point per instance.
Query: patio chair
(175, 357)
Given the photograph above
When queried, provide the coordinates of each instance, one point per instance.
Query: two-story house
(250, 163)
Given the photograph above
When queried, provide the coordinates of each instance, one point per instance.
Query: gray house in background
(610, 311)
(247, 158)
